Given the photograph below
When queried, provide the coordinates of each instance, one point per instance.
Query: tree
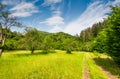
(32, 39)
(108, 40)
(47, 44)
(113, 34)
(99, 43)
(6, 22)
(13, 40)
(69, 45)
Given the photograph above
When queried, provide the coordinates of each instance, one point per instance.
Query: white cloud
(116, 2)
(55, 20)
(24, 9)
(11, 2)
(50, 2)
(56, 29)
(94, 13)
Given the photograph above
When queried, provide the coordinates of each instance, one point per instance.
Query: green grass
(43, 66)
(59, 65)
(95, 71)
(107, 62)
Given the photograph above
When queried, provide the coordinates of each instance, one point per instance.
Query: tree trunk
(0, 52)
(32, 51)
(2, 47)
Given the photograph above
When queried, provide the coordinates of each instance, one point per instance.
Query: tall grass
(59, 65)
(22, 65)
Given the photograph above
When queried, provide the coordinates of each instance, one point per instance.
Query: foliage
(13, 39)
(47, 44)
(113, 34)
(32, 39)
(104, 36)
(108, 40)
(90, 37)
(92, 32)
(99, 44)
(6, 22)
(68, 45)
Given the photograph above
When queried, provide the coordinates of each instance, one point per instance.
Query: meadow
(57, 65)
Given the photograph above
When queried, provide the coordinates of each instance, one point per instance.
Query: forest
(102, 37)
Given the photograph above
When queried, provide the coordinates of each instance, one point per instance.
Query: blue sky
(69, 16)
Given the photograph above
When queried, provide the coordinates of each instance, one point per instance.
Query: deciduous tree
(6, 22)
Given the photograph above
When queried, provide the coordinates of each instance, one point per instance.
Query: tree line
(34, 39)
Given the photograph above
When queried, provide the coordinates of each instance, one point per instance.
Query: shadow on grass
(109, 65)
(35, 53)
(69, 53)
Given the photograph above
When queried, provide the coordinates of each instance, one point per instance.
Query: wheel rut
(110, 76)
(86, 71)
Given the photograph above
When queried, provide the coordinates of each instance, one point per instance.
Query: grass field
(59, 65)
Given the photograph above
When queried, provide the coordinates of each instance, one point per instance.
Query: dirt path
(86, 71)
(110, 76)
